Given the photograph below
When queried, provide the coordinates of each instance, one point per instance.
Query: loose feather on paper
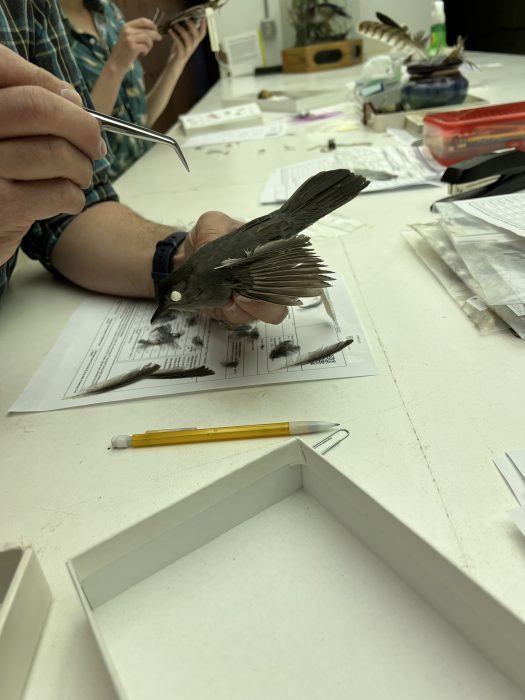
(120, 380)
(178, 373)
(318, 355)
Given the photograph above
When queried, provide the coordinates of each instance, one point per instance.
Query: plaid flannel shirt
(91, 54)
(34, 29)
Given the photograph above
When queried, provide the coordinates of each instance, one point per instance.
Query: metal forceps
(119, 126)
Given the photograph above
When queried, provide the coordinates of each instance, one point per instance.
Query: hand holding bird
(263, 265)
(238, 310)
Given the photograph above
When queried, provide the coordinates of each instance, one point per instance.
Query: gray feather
(328, 306)
(317, 355)
(121, 380)
(393, 35)
(178, 373)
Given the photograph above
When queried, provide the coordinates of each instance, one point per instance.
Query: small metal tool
(158, 16)
(119, 126)
(334, 443)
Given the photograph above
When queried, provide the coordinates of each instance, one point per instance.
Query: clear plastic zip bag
(426, 241)
(494, 257)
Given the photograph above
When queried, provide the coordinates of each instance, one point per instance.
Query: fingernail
(72, 95)
(245, 300)
(103, 148)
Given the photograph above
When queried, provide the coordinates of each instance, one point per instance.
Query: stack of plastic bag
(482, 266)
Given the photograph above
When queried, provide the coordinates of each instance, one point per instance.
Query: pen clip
(168, 430)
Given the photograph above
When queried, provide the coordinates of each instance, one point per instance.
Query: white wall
(239, 16)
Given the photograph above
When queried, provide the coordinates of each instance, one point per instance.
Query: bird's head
(189, 292)
(173, 294)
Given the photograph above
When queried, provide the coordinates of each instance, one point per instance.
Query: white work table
(424, 430)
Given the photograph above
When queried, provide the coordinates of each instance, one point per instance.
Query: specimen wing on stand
(267, 258)
(192, 13)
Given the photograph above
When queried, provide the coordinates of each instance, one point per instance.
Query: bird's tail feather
(320, 195)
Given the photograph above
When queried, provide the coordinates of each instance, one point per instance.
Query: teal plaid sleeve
(34, 29)
(91, 54)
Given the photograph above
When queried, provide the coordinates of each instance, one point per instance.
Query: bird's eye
(175, 295)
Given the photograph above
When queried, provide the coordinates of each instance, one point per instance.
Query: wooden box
(325, 56)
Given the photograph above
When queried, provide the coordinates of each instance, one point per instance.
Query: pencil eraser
(119, 442)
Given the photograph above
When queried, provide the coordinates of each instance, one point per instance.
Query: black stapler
(485, 176)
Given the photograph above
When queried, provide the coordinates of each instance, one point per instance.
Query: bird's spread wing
(279, 272)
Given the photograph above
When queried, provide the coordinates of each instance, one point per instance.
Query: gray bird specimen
(266, 258)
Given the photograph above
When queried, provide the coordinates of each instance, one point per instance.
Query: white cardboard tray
(233, 117)
(285, 580)
(412, 120)
(290, 100)
(25, 600)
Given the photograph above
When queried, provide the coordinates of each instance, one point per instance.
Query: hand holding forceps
(119, 126)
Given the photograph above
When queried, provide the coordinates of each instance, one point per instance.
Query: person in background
(107, 50)
(56, 200)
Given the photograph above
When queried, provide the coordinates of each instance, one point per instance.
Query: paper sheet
(236, 115)
(511, 466)
(518, 516)
(506, 211)
(101, 340)
(407, 165)
(250, 133)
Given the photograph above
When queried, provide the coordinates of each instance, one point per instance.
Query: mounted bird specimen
(315, 21)
(268, 258)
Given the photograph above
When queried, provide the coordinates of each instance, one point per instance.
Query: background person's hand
(239, 310)
(136, 38)
(186, 37)
(47, 145)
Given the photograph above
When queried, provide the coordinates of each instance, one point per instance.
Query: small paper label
(477, 303)
(367, 90)
(518, 309)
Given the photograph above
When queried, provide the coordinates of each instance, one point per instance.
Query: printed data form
(107, 337)
(506, 211)
(388, 168)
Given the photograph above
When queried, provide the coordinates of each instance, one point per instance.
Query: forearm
(159, 95)
(106, 89)
(109, 249)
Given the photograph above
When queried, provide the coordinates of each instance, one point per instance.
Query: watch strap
(164, 252)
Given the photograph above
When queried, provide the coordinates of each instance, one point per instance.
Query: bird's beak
(158, 312)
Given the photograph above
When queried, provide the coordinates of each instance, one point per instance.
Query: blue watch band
(164, 251)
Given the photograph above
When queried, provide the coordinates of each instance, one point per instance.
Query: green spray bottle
(438, 29)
